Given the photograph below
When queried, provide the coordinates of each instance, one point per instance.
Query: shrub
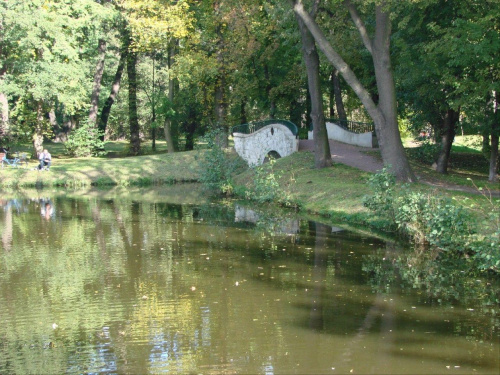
(266, 186)
(427, 152)
(433, 220)
(85, 141)
(424, 218)
(216, 167)
(381, 202)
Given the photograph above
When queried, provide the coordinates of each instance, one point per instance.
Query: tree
(322, 155)
(157, 25)
(383, 114)
(135, 140)
(115, 87)
(46, 63)
(96, 89)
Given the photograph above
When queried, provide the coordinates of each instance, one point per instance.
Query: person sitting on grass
(45, 160)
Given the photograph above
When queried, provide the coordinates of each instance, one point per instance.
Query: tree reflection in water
(131, 287)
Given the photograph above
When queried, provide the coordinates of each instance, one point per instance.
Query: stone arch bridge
(256, 141)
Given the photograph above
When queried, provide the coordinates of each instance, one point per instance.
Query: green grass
(335, 192)
(79, 172)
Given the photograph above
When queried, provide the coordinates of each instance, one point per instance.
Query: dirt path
(357, 157)
(353, 156)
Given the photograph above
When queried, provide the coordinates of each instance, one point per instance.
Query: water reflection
(90, 285)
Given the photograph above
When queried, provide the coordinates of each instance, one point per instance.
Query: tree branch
(359, 25)
(315, 8)
(336, 60)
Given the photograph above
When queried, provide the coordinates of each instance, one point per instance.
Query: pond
(122, 285)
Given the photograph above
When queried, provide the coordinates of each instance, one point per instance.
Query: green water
(93, 285)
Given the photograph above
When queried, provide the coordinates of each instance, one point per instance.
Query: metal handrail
(252, 127)
(352, 126)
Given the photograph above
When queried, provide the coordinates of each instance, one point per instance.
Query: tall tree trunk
(447, 137)
(220, 86)
(167, 126)
(38, 133)
(384, 114)
(4, 103)
(4, 115)
(190, 129)
(96, 89)
(322, 155)
(331, 96)
(135, 141)
(243, 111)
(54, 126)
(339, 103)
(272, 103)
(495, 129)
(388, 135)
(115, 88)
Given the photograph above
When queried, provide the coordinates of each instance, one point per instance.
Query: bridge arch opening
(271, 155)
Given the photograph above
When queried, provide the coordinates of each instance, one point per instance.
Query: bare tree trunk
(220, 86)
(331, 97)
(243, 112)
(384, 115)
(447, 137)
(339, 104)
(4, 103)
(135, 140)
(322, 155)
(115, 88)
(38, 133)
(495, 129)
(167, 126)
(4, 115)
(388, 135)
(96, 90)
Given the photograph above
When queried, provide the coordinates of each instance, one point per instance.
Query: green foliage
(427, 219)
(433, 220)
(266, 186)
(381, 201)
(426, 153)
(486, 244)
(216, 167)
(85, 141)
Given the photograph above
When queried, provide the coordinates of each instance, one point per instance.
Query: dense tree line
(143, 69)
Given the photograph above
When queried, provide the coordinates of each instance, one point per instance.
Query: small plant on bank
(266, 186)
(381, 202)
(426, 153)
(216, 168)
(426, 219)
(85, 141)
(486, 245)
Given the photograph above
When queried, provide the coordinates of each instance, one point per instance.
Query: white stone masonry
(256, 146)
(338, 133)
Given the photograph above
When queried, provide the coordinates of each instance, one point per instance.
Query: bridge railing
(352, 126)
(256, 125)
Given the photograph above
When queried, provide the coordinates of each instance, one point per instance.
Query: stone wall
(338, 133)
(254, 147)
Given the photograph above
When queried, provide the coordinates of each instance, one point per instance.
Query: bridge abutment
(254, 147)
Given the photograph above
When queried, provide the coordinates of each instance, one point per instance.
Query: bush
(381, 202)
(427, 152)
(216, 167)
(85, 141)
(426, 219)
(266, 186)
(432, 220)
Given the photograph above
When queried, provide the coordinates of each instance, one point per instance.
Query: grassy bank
(83, 172)
(335, 191)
